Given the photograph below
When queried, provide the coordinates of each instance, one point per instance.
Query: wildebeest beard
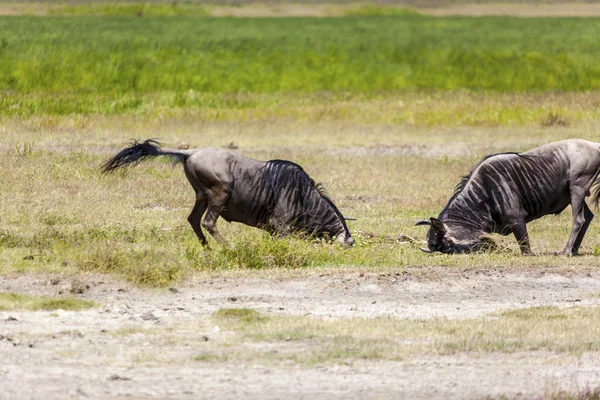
(459, 240)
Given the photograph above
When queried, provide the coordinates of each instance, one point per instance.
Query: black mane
(282, 174)
(465, 178)
(462, 183)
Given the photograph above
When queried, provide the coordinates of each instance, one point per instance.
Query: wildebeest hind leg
(580, 222)
(589, 216)
(195, 217)
(216, 204)
(520, 232)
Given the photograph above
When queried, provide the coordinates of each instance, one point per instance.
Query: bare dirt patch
(337, 9)
(518, 10)
(142, 343)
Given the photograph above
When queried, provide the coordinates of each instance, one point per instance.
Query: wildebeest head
(342, 236)
(450, 239)
(324, 218)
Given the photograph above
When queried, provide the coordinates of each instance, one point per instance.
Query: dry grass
(58, 213)
(413, 109)
(556, 330)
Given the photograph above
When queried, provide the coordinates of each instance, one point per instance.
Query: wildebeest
(277, 195)
(505, 191)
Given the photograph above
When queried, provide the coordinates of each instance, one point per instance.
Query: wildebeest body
(275, 195)
(506, 191)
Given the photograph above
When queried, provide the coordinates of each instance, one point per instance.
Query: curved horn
(423, 222)
(423, 249)
(349, 218)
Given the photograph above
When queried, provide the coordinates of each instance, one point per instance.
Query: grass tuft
(238, 315)
(16, 301)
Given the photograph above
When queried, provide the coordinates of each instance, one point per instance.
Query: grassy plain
(387, 111)
(409, 99)
(57, 207)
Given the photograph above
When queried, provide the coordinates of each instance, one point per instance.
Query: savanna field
(387, 106)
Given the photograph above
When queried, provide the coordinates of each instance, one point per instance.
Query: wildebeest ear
(423, 222)
(438, 225)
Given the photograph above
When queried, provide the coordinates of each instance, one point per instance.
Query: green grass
(17, 301)
(70, 61)
(407, 69)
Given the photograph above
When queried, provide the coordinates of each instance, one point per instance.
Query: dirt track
(107, 353)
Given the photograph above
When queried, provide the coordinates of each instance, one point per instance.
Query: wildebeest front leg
(520, 232)
(582, 216)
(195, 217)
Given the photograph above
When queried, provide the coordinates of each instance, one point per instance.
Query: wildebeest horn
(423, 222)
(349, 219)
(425, 250)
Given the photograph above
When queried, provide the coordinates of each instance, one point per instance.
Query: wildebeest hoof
(568, 253)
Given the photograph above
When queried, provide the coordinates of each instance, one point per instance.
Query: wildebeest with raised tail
(275, 195)
(505, 191)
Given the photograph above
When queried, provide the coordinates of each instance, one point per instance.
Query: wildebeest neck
(468, 209)
(295, 199)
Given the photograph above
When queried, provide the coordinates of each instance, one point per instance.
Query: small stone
(28, 258)
(116, 377)
(204, 338)
(183, 146)
(78, 287)
(10, 318)
(149, 316)
(232, 298)
(173, 290)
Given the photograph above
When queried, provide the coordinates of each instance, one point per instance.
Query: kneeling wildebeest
(505, 191)
(275, 195)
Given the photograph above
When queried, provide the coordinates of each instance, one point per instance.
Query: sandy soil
(108, 352)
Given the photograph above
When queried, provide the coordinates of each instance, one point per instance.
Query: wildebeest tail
(596, 190)
(137, 152)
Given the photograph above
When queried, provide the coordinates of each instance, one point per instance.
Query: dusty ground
(140, 343)
(324, 9)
